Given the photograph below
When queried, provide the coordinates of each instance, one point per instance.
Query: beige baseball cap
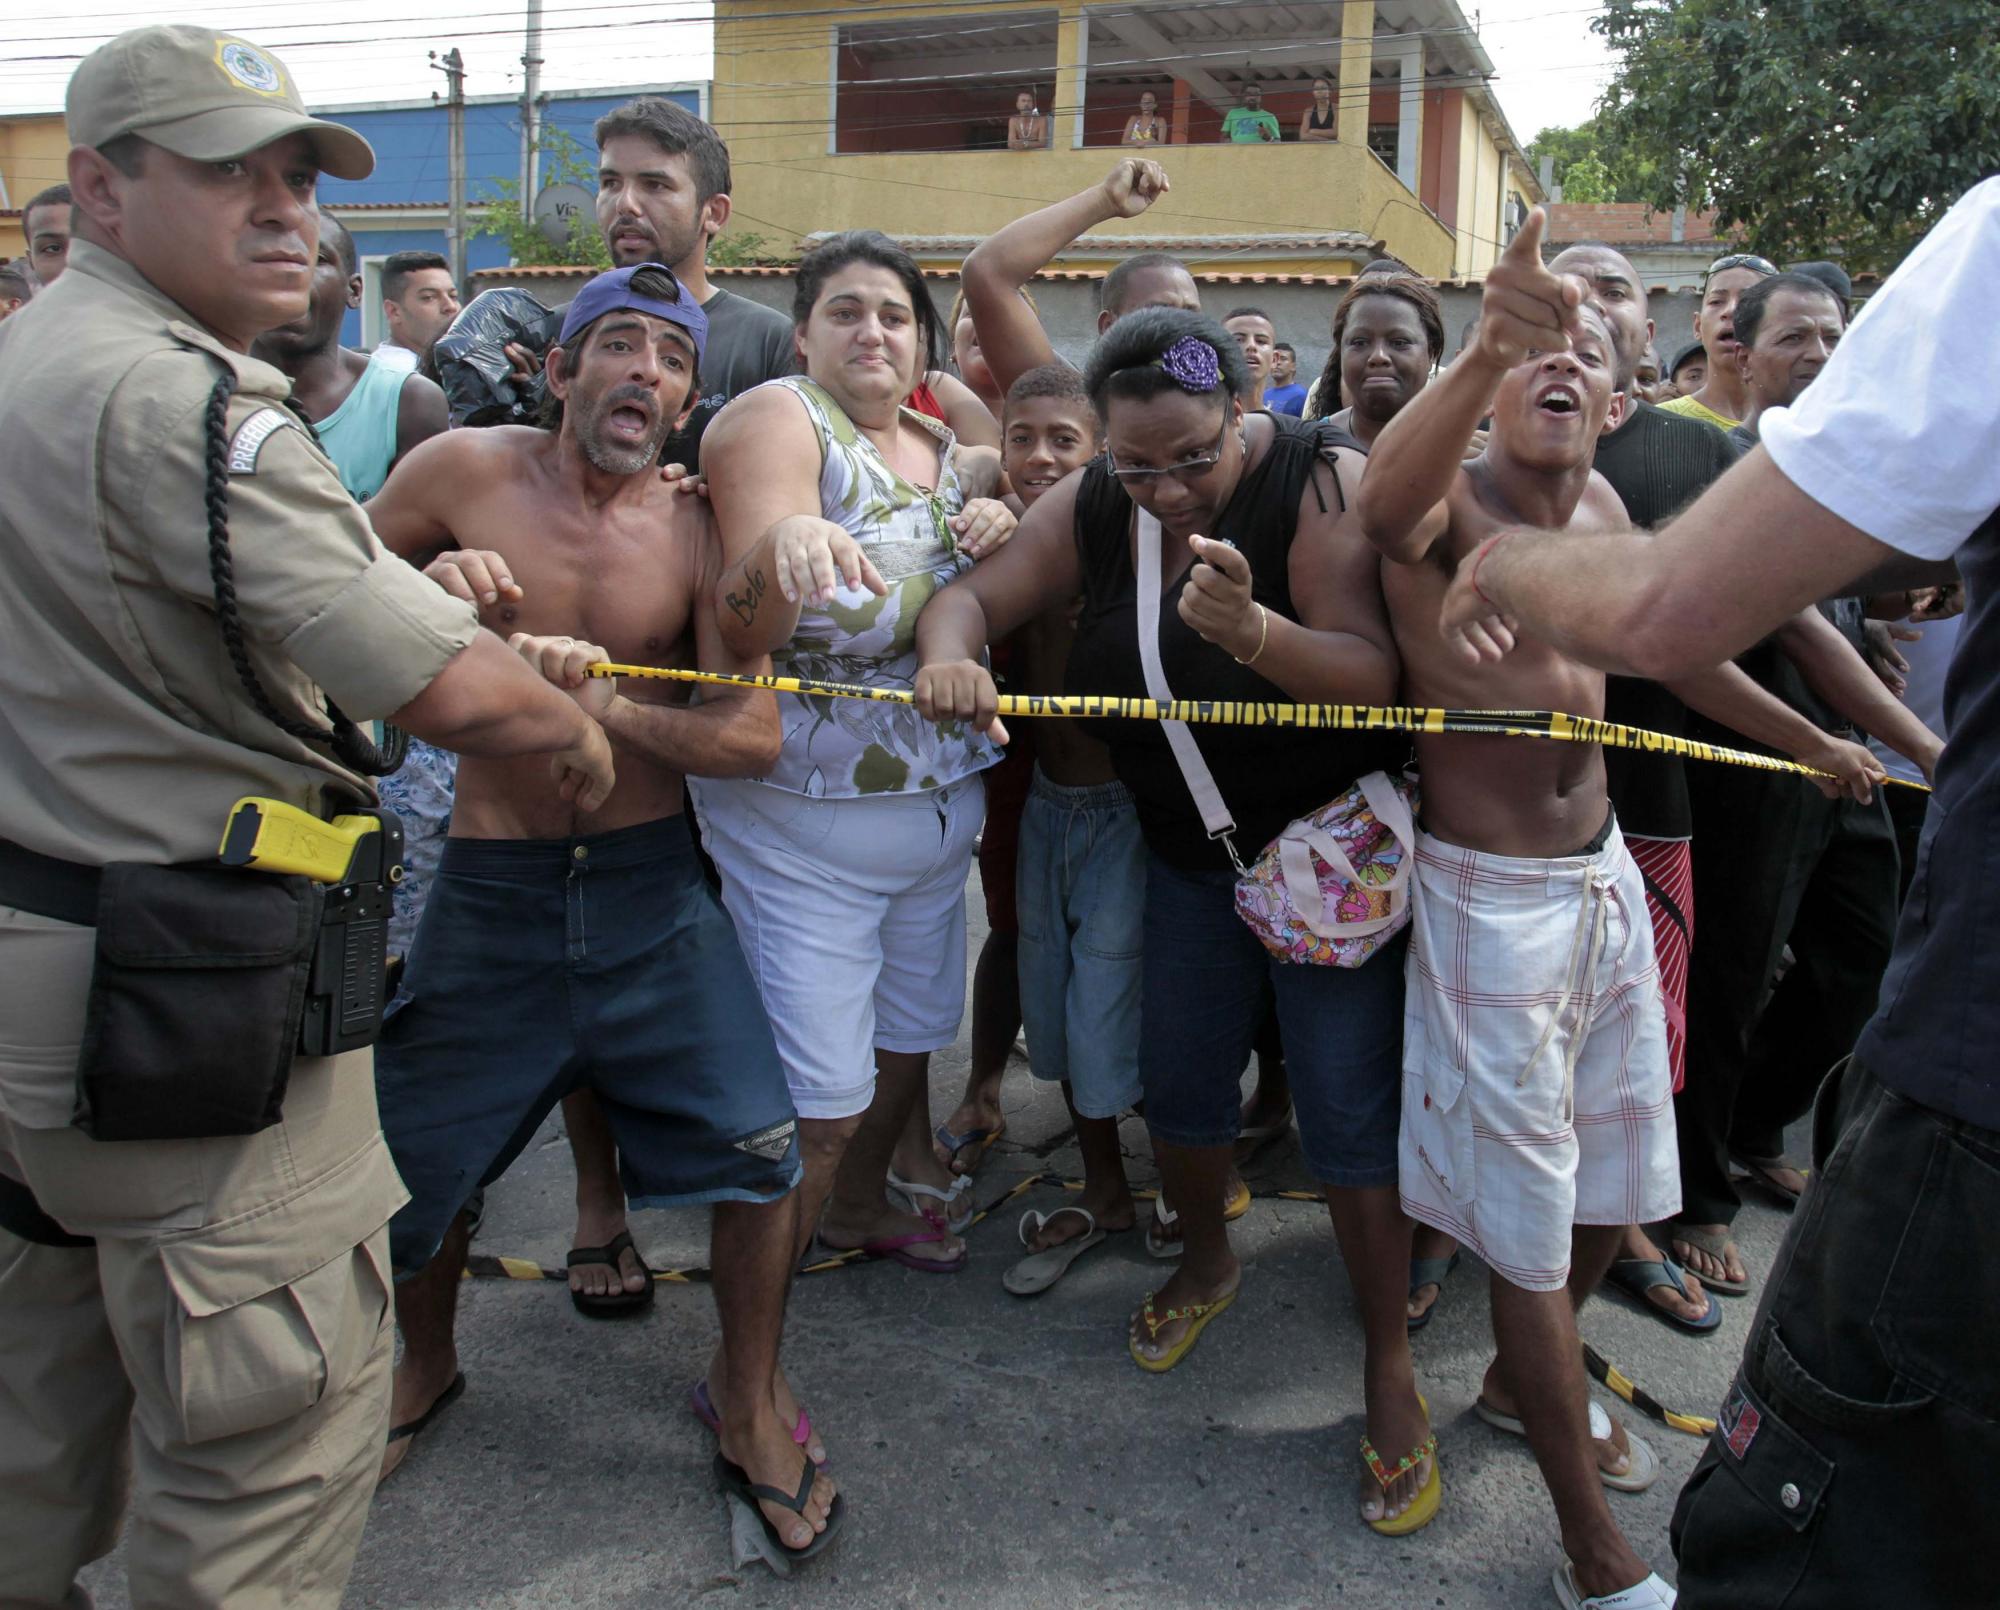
(206, 96)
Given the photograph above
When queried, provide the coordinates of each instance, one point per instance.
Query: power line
(768, 40)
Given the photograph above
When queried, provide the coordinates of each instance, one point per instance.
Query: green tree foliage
(1625, 175)
(1812, 126)
(740, 248)
(1587, 179)
(565, 160)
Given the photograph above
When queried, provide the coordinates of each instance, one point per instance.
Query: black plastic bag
(472, 362)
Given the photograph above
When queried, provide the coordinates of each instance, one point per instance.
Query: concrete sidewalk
(996, 1454)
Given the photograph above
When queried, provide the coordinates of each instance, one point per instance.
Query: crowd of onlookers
(1468, 971)
(1246, 123)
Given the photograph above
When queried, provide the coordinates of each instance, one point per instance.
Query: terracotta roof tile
(1343, 241)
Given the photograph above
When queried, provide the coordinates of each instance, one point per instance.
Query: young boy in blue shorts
(1081, 878)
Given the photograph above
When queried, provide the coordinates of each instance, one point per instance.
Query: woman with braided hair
(1388, 335)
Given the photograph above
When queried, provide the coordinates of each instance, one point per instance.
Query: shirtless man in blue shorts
(552, 958)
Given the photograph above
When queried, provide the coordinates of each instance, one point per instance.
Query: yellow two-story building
(892, 115)
(34, 154)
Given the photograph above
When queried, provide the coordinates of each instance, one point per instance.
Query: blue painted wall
(412, 146)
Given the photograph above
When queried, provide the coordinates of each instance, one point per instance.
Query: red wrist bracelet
(1479, 559)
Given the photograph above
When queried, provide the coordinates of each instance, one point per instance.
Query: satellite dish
(560, 208)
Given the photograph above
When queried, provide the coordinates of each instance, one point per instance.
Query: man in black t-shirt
(1800, 694)
(662, 196)
(1657, 463)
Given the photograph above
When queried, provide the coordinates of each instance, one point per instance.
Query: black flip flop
(443, 1401)
(734, 1479)
(1761, 1172)
(619, 1304)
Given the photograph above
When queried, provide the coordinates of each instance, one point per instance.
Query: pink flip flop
(892, 1248)
(704, 1409)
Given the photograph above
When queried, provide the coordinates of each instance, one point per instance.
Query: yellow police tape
(1552, 724)
(483, 1266)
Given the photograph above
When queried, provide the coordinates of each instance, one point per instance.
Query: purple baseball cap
(612, 292)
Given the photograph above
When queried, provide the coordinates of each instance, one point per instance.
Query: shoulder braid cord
(352, 747)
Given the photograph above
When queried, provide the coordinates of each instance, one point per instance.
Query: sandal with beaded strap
(1424, 1507)
(1197, 1314)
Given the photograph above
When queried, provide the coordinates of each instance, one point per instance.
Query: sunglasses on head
(1763, 265)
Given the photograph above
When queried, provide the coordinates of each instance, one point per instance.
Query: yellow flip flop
(1423, 1509)
(1198, 1314)
(1237, 1204)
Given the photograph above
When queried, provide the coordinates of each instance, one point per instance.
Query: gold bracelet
(1263, 635)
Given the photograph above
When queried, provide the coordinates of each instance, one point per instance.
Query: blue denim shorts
(1081, 892)
(1205, 978)
(598, 963)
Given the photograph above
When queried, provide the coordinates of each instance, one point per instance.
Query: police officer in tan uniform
(194, 1314)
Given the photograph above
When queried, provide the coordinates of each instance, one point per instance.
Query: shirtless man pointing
(1537, 1118)
(552, 959)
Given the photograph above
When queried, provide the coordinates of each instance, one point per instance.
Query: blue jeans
(598, 963)
(1204, 981)
(1080, 895)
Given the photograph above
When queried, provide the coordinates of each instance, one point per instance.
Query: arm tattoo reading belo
(745, 603)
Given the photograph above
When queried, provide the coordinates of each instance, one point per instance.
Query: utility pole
(531, 131)
(453, 68)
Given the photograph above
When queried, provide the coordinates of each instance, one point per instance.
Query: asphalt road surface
(996, 1453)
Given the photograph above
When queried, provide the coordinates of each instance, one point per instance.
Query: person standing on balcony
(1250, 124)
(1027, 129)
(1146, 127)
(1316, 122)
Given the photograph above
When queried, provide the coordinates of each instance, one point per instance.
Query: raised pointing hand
(1525, 307)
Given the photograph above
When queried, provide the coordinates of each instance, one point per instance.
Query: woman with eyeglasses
(1721, 400)
(842, 512)
(1258, 591)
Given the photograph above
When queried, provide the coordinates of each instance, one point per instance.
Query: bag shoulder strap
(1200, 780)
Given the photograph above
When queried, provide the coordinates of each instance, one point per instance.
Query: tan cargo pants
(223, 1353)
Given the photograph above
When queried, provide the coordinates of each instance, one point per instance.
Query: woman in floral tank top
(842, 513)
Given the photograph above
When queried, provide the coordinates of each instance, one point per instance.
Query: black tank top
(1314, 121)
(1267, 775)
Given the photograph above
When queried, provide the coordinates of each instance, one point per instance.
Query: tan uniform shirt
(125, 734)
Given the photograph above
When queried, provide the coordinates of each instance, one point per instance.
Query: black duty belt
(47, 886)
(23, 1215)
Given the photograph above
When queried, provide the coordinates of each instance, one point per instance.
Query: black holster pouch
(196, 1000)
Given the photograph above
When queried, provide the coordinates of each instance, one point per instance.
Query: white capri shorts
(1536, 1089)
(851, 914)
